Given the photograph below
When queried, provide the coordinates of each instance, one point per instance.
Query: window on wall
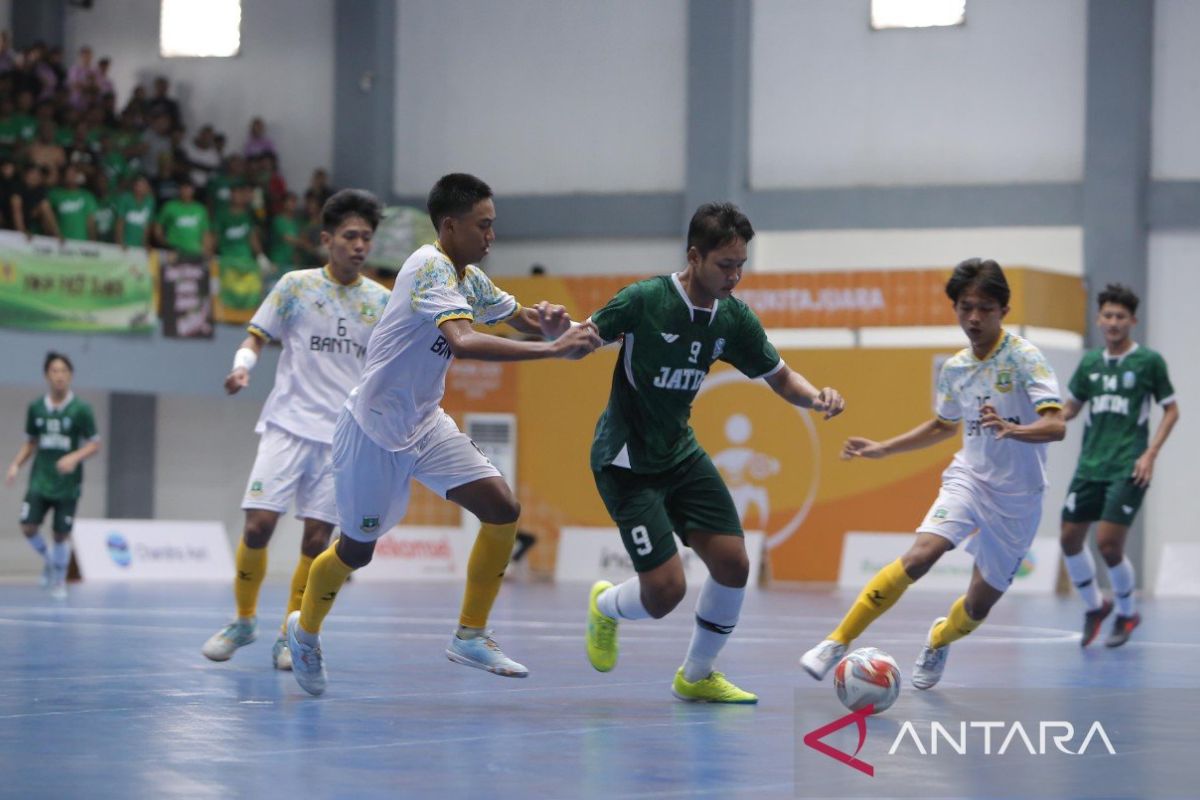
(200, 28)
(917, 13)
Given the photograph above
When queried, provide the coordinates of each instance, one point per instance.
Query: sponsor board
(152, 550)
(589, 554)
(864, 554)
(1179, 570)
(419, 553)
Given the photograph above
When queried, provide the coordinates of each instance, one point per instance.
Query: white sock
(623, 601)
(1122, 578)
(61, 558)
(1081, 568)
(38, 542)
(717, 613)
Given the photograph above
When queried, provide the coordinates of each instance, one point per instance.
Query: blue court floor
(106, 695)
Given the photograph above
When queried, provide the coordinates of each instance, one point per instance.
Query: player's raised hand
(858, 447)
(553, 318)
(829, 402)
(577, 342)
(992, 421)
(237, 380)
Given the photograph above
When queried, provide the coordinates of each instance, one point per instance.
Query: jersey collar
(995, 348)
(53, 409)
(1109, 356)
(329, 274)
(712, 312)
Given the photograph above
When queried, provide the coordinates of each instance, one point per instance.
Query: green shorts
(1112, 501)
(34, 509)
(649, 508)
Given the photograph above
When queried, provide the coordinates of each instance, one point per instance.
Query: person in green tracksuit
(61, 434)
(1117, 384)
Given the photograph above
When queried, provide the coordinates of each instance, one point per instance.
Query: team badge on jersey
(1004, 381)
(941, 513)
(1128, 379)
(368, 314)
(256, 489)
(718, 348)
(369, 524)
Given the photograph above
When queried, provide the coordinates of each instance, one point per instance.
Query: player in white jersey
(393, 428)
(323, 318)
(1005, 391)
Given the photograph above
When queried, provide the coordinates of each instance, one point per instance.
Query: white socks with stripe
(61, 558)
(717, 613)
(1123, 579)
(623, 601)
(38, 543)
(1081, 568)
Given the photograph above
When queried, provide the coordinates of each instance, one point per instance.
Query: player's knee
(1071, 540)
(1111, 552)
(314, 543)
(733, 571)
(918, 561)
(257, 533)
(355, 554)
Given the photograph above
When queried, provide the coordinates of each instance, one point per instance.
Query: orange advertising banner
(843, 298)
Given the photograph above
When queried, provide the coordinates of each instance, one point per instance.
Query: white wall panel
(1056, 249)
(1168, 324)
(587, 256)
(540, 97)
(997, 100)
(1176, 114)
(283, 74)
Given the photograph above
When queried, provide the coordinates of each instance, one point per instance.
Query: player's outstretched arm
(1049, 427)
(67, 464)
(1071, 409)
(243, 361)
(466, 342)
(546, 319)
(795, 388)
(926, 434)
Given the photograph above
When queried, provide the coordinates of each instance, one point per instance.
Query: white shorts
(1001, 543)
(373, 483)
(286, 467)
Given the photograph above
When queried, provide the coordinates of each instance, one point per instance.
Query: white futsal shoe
(308, 665)
(931, 663)
(482, 652)
(224, 643)
(281, 657)
(822, 658)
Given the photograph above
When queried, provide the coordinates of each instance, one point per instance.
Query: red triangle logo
(859, 718)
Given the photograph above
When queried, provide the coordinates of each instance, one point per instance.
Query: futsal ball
(867, 676)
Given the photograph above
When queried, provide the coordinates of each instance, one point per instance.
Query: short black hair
(350, 203)
(51, 357)
(982, 274)
(1120, 294)
(455, 194)
(717, 224)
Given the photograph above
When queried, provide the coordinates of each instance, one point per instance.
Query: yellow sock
(251, 566)
(880, 594)
(325, 579)
(485, 571)
(956, 626)
(299, 580)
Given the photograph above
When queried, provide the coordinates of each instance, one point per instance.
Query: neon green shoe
(601, 632)
(716, 688)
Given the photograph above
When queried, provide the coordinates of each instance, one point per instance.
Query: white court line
(724, 791)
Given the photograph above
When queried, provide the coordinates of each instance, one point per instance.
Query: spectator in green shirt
(237, 235)
(285, 236)
(106, 208)
(135, 214)
(74, 207)
(183, 225)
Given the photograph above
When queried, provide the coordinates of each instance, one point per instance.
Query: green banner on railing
(74, 286)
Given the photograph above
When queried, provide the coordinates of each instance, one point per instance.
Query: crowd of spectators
(75, 166)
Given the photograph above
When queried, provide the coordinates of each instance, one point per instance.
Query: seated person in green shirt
(182, 224)
(74, 206)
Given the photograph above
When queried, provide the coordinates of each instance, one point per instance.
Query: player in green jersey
(1117, 385)
(652, 474)
(62, 434)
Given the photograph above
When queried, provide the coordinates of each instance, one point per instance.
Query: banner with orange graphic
(844, 298)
